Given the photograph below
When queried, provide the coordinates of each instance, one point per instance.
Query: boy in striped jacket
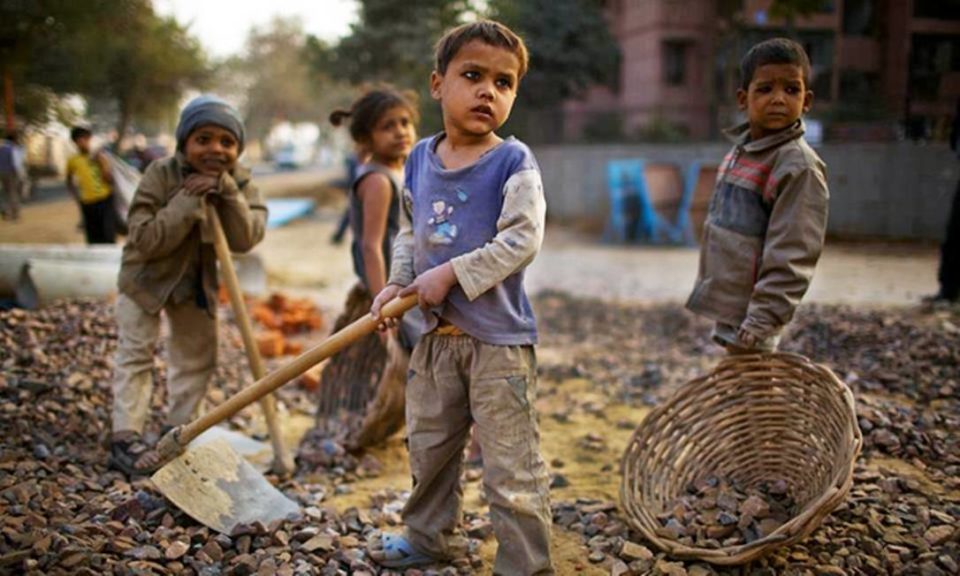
(767, 219)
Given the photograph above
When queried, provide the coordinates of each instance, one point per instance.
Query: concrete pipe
(29, 273)
(14, 256)
(43, 280)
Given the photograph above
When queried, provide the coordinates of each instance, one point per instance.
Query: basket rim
(801, 524)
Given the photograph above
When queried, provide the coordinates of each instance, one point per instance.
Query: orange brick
(270, 343)
(277, 302)
(265, 317)
(310, 380)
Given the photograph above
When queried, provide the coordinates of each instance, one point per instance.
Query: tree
(570, 44)
(571, 48)
(33, 36)
(119, 50)
(147, 63)
(277, 74)
(792, 10)
(280, 77)
(393, 42)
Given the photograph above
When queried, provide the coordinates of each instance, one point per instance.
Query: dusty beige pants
(455, 381)
(192, 358)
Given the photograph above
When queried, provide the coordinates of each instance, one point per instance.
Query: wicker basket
(755, 418)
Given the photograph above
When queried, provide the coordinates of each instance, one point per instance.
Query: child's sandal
(395, 551)
(131, 455)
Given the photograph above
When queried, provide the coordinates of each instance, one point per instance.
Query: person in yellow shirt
(89, 181)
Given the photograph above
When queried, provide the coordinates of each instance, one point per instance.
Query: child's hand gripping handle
(175, 441)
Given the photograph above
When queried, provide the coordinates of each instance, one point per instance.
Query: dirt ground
(300, 260)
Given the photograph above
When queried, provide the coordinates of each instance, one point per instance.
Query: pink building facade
(893, 61)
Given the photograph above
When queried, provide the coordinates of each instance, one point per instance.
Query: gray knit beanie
(209, 109)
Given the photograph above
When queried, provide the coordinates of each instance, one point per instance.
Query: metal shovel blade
(257, 453)
(220, 489)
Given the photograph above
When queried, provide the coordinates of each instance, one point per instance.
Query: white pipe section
(28, 272)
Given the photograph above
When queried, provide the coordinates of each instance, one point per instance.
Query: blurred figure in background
(13, 175)
(89, 181)
(949, 275)
(373, 371)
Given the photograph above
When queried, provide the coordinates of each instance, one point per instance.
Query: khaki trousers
(456, 381)
(192, 358)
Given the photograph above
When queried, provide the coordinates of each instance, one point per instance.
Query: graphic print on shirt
(444, 231)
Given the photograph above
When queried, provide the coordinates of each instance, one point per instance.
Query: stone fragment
(631, 551)
(321, 542)
(144, 553)
(670, 568)
(938, 534)
(176, 550)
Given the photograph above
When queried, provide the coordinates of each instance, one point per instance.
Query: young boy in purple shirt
(473, 219)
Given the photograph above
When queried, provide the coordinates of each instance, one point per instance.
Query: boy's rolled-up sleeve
(401, 258)
(519, 236)
(792, 246)
(157, 228)
(243, 214)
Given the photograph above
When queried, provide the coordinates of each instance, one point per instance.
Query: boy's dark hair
(78, 132)
(487, 31)
(12, 136)
(773, 51)
(368, 109)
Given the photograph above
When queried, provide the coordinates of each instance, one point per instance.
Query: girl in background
(363, 386)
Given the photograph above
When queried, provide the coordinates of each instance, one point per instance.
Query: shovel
(214, 485)
(282, 462)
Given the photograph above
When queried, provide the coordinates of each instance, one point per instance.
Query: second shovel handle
(281, 463)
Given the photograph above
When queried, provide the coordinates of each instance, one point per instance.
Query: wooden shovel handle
(281, 464)
(335, 343)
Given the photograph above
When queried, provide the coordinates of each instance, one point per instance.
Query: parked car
(290, 156)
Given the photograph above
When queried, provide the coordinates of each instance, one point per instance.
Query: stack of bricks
(280, 317)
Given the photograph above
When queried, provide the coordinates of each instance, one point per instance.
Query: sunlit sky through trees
(222, 25)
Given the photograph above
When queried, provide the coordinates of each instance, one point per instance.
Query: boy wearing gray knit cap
(169, 264)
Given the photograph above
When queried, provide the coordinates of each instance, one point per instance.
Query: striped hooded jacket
(764, 232)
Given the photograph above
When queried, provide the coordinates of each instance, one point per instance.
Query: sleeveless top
(356, 217)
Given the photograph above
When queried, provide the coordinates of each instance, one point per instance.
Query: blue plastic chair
(684, 228)
(626, 184)
(692, 178)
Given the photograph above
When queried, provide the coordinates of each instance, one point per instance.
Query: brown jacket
(764, 232)
(166, 232)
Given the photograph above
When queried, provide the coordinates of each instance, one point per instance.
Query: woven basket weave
(755, 418)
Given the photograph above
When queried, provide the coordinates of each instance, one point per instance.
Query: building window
(729, 9)
(857, 86)
(675, 62)
(859, 17)
(932, 56)
(939, 9)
